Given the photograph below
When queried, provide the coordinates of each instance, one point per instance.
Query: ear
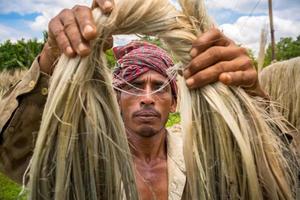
(174, 105)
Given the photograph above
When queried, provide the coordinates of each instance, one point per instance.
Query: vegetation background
(20, 55)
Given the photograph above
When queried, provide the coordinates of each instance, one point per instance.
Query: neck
(148, 149)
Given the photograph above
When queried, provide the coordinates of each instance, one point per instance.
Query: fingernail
(82, 47)
(69, 50)
(226, 78)
(190, 81)
(193, 52)
(88, 29)
(107, 6)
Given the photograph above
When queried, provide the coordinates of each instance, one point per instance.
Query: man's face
(144, 109)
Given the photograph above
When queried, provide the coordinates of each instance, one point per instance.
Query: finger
(58, 37)
(245, 79)
(106, 6)
(211, 74)
(73, 33)
(85, 20)
(212, 56)
(213, 37)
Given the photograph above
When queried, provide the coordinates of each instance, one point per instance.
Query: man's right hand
(70, 32)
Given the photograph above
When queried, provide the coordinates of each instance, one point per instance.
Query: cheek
(126, 107)
(166, 107)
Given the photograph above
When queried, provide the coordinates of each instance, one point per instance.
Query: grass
(9, 190)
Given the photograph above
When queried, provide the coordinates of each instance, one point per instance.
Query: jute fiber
(232, 150)
(281, 81)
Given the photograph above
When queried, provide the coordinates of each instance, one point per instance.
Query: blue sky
(241, 20)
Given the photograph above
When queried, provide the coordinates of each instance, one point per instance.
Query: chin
(148, 131)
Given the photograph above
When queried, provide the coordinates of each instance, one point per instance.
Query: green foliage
(251, 55)
(285, 49)
(111, 61)
(18, 55)
(174, 118)
(9, 190)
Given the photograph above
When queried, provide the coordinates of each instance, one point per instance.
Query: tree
(20, 54)
(286, 48)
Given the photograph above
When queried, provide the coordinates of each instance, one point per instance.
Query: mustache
(147, 112)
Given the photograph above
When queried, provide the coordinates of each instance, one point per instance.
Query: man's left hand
(217, 58)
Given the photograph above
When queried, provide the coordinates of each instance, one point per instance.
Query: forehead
(151, 75)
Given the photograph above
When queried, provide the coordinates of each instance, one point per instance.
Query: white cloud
(246, 30)
(243, 6)
(9, 33)
(32, 6)
(47, 9)
(120, 40)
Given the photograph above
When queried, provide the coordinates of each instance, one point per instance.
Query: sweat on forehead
(137, 58)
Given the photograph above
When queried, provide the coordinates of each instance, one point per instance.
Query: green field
(9, 190)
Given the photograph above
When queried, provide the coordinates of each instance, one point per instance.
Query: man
(158, 160)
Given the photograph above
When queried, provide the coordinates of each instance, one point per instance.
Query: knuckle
(216, 32)
(254, 74)
(194, 64)
(70, 27)
(243, 50)
(221, 67)
(75, 40)
(248, 62)
(63, 45)
(64, 12)
(76, 8)
(52, 23)
(198, 79)
(69, 22)
(243, 77)
(214, 52)
(248, 78)
(57, 32)
(79, 8)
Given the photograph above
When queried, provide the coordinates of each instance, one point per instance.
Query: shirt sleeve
(21, 111)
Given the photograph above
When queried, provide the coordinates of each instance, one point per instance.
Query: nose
(147, 98)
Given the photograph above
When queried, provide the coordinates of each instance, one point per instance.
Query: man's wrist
(47, 59)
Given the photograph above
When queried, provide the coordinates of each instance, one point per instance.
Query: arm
(22, 106)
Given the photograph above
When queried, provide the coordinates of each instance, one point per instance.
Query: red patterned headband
(137, 58)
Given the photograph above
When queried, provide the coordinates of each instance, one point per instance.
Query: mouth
(147, 115)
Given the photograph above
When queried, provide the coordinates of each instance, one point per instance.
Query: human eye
(134, 87)
(159, 87)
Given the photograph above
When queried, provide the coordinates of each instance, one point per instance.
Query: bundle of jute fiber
(8, 78)
(281, 81)
(231, 150)
(232, 145)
